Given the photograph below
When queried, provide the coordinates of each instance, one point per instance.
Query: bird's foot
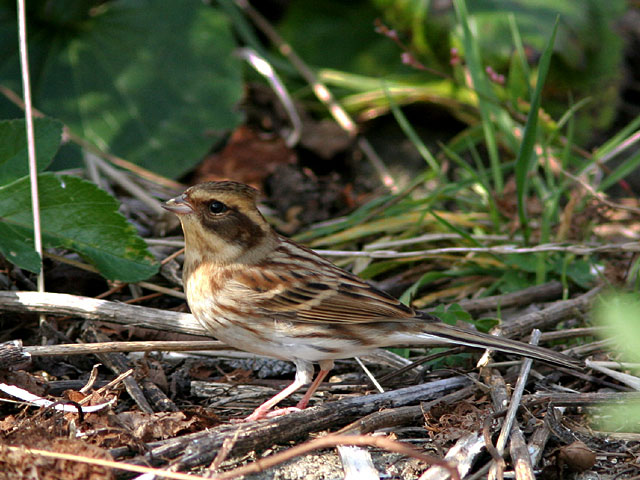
(261, 414)
(279, 412)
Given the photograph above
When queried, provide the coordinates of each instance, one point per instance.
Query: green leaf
(377, 268)
(514, 280)
(17, 247)
(523, 261)
(411, 133)
(581, 272)
(403, 352)
(452, 314)
(486, 323)
(620, 417)
(621, 314)
(324, 42)
(519, 66)
(14, 162)
(616, 140)
(76, 215)
(152, 81)
(425, 279)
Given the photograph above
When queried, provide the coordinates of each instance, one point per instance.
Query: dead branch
(118, 364)
(201, 448)
(102, 310)
(526, 296)
(113, 347)
(550, 315)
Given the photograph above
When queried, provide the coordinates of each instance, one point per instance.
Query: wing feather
(325, 293)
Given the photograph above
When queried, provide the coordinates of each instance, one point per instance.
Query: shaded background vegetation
(491, 119)
(503, 132)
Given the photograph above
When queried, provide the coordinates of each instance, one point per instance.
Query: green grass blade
(411, 133)
(624, 169)
(522, 56)
(618, 138)
(525, 158)
(486, 97)
(455, 229)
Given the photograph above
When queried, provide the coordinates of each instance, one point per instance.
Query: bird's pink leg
(302, 404)
(264, 410)
(304, 373)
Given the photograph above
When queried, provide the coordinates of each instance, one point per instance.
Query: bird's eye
(217, 207)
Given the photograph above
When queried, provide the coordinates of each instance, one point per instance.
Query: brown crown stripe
(224, 186)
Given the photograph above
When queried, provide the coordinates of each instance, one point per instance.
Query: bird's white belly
(277, 339)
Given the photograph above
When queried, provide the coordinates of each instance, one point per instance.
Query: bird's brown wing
(323, 293)
(343, 300)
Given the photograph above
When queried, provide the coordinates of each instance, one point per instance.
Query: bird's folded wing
(341, 298)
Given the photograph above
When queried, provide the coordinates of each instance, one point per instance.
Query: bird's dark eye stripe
(217, 207)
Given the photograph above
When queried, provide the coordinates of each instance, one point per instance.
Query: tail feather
(460, 336)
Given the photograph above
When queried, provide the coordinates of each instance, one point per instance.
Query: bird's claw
(261, 414)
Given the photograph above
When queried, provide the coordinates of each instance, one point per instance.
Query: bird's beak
(178, 205)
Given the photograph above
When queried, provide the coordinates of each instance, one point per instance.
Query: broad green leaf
(152, 81)
(486, 323)
(78, 216)
(14, 161)
(17, 247)
(403, 352)
(340, 35)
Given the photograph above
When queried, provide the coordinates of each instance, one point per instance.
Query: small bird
(263, 293)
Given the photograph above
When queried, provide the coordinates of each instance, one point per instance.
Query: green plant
(620, 314)
(153, 82)
(511, 202)
(75, 214)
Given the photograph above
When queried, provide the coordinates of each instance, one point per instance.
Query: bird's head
(222, 223)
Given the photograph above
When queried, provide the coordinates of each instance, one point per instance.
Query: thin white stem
(31, 144)
(510, 416)
(370, 375)
(624, 145)
(339, 114)
(125, 182)
(579, 249)
(436, 237)
(263, 67)
(497, 250)
(164, 242)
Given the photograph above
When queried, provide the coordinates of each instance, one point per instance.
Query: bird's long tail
(438, 332)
